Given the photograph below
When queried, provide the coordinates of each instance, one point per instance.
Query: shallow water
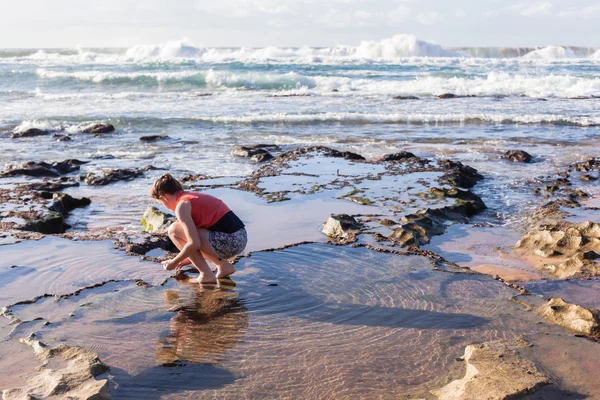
(312, 321)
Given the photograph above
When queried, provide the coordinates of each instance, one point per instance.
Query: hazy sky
(122, 23)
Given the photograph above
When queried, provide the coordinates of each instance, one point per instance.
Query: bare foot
(224, 269)
(205, 278)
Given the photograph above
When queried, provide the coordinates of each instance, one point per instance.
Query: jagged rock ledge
(494, 371)
(66, 372)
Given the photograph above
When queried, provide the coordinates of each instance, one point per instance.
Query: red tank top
(206, 209)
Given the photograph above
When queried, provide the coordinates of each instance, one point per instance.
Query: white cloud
(590, 11)
(537, 8)
(399, 14)
(429, 18)
(459, 12)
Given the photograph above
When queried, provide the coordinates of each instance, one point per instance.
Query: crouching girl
(206, 229)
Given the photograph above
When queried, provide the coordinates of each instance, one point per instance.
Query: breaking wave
(494, 84)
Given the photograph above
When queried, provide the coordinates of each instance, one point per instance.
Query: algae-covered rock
(340, 226)
(572, 316)
(51, 219)
(48, 222)
(67, 373)
(156, 221)
(494, 372)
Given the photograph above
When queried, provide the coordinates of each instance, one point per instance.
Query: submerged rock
(156, 221)
(153, 138)
(98, 128)
(418, 228)
(517, 156)
(453, 96)
(402, 155)
(256, 152)
(495, 371)
(111, 175)
(262, 157)
(44, 169)
(572, 316)
(67, 373)
(31, 132)
(63, 203)
(340, 226)
(406, 98)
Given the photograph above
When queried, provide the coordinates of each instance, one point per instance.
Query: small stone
(340, 226)
(517, 156)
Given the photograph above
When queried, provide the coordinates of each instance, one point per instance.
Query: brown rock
(31, 132)
(572, 316)
(98, 128)
(494, 372)
(66, 373)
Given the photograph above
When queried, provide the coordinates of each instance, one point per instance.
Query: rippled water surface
(312, 321)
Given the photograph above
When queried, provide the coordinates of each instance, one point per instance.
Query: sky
(258, 23)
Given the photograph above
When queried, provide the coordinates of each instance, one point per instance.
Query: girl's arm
(184, 215)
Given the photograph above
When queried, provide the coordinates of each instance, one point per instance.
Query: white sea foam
(43, 125)
(494, 84)
(399, 118)
(550, 53)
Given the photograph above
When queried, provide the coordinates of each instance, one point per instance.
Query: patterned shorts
(227, 245)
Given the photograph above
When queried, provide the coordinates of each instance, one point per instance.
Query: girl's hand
(169, 265)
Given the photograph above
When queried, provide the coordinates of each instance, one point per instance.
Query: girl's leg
(224, 267)
(177, 235)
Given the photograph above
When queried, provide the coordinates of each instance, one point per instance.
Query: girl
(206, 229)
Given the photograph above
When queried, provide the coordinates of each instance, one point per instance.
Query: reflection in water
(208, 322)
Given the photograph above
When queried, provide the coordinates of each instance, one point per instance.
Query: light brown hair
(166, 184)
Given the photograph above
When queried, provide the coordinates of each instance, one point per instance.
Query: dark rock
(398, 156)
(246, 151)
(64, 139)
(63, 203)
(418, 228)
(327, 152)
(262, 157)
(153, 138)
(588, 178)
(31, 132)
(459, 174)
(104, 157)
(98, 128)
(52, 219)
(517, 156)
(44, 169)
(149, 243)
(51, 222)
(406, 98)
(111, 175)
